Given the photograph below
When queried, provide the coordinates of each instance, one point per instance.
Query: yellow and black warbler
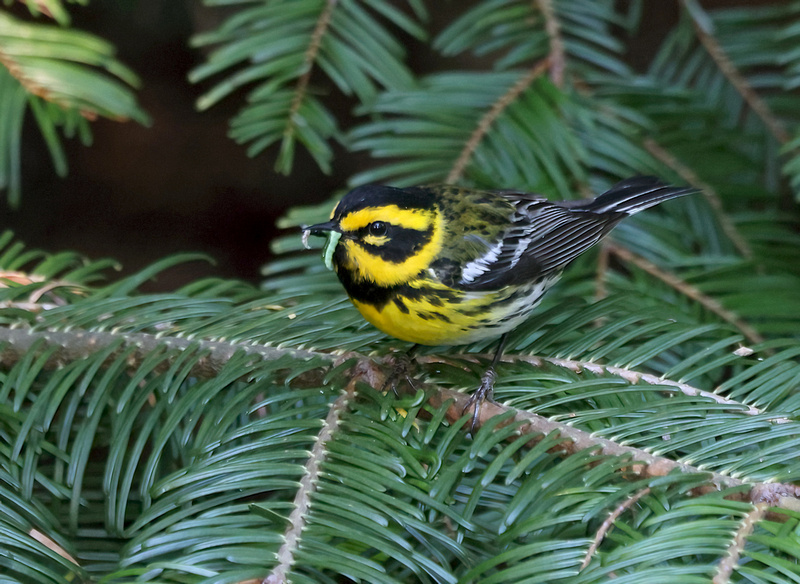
(445, 265)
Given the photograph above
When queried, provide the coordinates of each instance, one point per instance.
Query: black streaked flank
(434, 299)
(401, 306)
(441, 316)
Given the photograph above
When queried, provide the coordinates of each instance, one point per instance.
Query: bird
(450, 265)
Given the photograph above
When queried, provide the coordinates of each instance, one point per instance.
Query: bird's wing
(542, 238)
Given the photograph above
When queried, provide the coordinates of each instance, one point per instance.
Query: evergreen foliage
(647, 426)
(64, 78)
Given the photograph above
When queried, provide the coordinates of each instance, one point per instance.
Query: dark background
(138, 194)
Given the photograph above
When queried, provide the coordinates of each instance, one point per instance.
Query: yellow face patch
(366, 265)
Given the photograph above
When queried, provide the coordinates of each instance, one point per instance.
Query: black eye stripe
(402, 244)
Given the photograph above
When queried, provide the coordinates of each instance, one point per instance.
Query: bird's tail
(633, 195)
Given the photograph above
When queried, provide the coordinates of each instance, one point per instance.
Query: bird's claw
(483, 393)
(401, 371)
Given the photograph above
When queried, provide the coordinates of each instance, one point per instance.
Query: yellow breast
(465, 318)
(422, 325)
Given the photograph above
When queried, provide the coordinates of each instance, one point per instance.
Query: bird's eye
(377, 228)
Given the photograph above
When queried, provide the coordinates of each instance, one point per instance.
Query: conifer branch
(630, 375)
(38, 90)
(609, 522)
(731, 560)
(301, 89)
(711, 195)
(642, 465)
(74, 345)
(731, 72)
(557, 54)
(308, 484)
(83, 455)
(687, 290)
(489, 117)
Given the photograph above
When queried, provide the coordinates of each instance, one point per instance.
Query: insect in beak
(331, 229)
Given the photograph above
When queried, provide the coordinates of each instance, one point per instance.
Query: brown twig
(33, 303)
(729, 563)
(687, 290)
(731, 72)
(489, 118)
(711, 195)
(321, 27)
(606, 526)
(600, 290)
(553, 29)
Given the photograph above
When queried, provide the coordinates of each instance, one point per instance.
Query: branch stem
(308, 484)
(730, 562)
(609, 522)
(301, 89)
(629, 375)
(75, 345)
(734, 76)
(490, 116)
(557, 53)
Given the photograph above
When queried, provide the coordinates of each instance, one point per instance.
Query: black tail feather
(633, 195)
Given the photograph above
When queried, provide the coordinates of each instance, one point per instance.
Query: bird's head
(382, 235)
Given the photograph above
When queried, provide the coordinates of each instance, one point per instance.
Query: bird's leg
(486, 389)
(401, 370)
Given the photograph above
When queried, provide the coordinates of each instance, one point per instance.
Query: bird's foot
(484, 393)
(401, 371)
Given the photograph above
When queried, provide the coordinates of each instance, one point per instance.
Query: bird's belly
(467, 317)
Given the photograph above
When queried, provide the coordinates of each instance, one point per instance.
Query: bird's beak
(322, 228)
(332, 230)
